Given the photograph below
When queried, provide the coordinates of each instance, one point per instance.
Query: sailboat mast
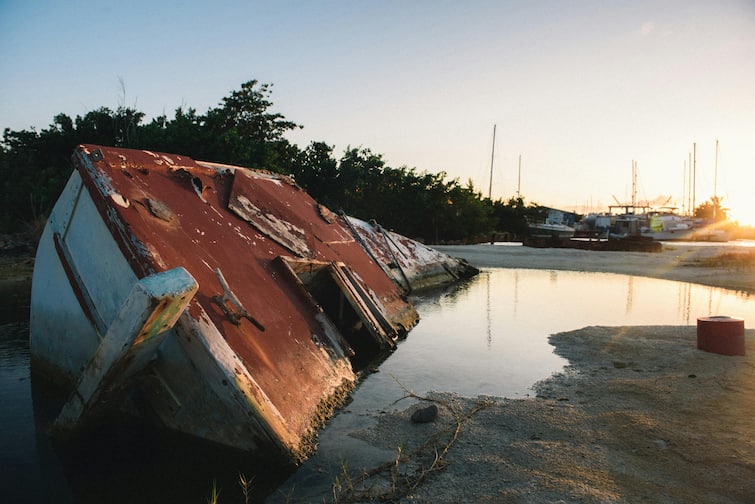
(519, 177)
(684, 188)
(492, 157)
(715, 182)
(634, 184)
(689, 182)
(694, 176)
(715, 175)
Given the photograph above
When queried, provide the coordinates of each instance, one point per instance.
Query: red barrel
(722, 335)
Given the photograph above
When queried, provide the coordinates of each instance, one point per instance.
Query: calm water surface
(486, 337)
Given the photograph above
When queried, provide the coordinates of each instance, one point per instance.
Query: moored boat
(668, 226)
(554, 226)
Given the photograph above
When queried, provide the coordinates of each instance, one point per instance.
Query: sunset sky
(579, 89)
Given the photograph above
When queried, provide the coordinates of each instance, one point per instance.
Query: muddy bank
(16, 267)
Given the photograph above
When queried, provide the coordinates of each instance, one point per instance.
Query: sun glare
(741, 211)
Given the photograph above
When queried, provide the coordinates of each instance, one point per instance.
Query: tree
(244, 132)
(316, 172)
(106, 127)
(34, 168)
(358, 173)
(184, 134)
(712, 210)
(465, 215)
(511, 216)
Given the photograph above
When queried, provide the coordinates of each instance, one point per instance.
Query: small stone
(425, 415)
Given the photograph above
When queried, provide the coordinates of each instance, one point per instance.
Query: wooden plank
(152, 308)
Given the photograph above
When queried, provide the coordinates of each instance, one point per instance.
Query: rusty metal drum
(721, 334)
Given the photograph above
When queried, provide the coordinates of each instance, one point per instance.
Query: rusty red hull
(288, 307)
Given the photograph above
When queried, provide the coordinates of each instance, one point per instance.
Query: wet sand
(677, 261)
(639, 415)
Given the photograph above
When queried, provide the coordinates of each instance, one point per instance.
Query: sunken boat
(223, 302)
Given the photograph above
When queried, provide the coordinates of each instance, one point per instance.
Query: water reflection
(119, 462)
(18, 458)
(490, 335)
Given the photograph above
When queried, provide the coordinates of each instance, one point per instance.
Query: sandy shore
(677, 261)
(639, 415)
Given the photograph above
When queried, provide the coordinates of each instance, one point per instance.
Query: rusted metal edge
(98, 181)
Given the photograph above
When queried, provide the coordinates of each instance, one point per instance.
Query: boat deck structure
(223, 300)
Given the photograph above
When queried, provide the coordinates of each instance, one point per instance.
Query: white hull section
(194, 382)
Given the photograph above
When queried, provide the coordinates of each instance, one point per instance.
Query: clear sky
(578, 88)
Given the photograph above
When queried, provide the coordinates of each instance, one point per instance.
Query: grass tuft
(214, 497)
(246, 487)
(730, 260)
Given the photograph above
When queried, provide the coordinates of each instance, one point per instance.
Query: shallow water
(485, 337)
(489, 337)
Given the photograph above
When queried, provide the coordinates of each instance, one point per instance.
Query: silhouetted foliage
(512, 216)
(712, 210)
(242, 130)
(316, 171)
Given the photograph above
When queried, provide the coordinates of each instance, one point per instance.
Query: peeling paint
(289, 303)
(120, 200)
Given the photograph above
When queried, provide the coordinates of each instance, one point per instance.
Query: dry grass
(730, 260)
(410, 468)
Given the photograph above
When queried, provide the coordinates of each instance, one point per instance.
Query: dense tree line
(242, 130)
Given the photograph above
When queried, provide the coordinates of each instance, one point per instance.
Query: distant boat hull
(671, 227)
(672, 235)
(666, 226)
(545, 230)
(631, 244)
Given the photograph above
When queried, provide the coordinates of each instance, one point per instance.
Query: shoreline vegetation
(244, 130)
